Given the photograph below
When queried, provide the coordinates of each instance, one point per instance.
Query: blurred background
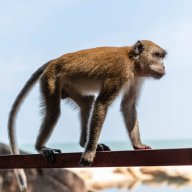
(34, 32)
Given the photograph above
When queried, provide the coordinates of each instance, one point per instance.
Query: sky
(34, 32)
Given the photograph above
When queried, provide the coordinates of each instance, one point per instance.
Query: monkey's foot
(49, 154)
(102, 147)
(87, 159)
(141, 147)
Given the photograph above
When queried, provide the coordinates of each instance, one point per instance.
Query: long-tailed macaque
(107, 70)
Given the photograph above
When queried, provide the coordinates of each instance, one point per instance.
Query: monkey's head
(148, 58)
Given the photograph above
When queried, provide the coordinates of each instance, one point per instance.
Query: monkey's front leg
(133, 129)
(104, 99)
(130, 117)
(85, 112)
(97, 120)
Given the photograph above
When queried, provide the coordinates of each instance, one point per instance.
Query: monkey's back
(113, 61)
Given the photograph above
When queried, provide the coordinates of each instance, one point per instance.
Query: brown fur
(106, 70)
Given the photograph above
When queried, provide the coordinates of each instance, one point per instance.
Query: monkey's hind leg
(85, 104)
(102, 147)
(51, 102)
(85, 111)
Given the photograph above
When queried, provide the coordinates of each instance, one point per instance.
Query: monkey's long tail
(20, 174)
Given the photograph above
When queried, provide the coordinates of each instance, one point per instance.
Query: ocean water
(117, 145)
(143, 188)
(125, 145)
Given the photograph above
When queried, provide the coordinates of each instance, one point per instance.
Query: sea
(125, 145)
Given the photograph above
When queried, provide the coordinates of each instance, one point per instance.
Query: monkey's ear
(138, 48)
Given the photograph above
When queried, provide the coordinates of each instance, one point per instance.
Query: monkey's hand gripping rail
(160, 157)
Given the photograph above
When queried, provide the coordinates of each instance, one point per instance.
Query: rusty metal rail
(160, 157)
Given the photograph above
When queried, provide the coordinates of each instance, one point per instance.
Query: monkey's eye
(158, 55)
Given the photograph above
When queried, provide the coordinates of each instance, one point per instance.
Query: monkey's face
(149, 59)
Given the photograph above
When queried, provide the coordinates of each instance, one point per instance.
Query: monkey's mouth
(158, 75)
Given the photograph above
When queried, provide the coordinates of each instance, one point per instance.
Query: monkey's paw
(141, 147)
(87, 159)
(50, 154)
(102, 147)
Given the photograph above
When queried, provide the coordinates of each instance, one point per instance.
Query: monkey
(107, 71)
